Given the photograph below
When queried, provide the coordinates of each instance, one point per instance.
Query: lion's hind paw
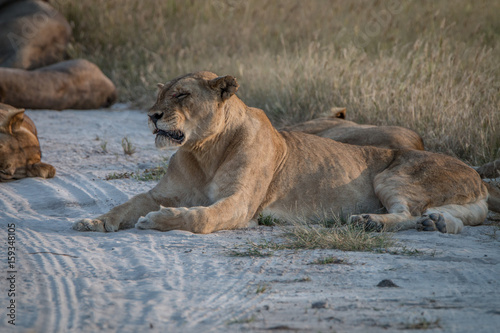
(144, 223)
(366, 222)
(431, 222)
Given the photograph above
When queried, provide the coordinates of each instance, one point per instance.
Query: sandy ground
(148, 281)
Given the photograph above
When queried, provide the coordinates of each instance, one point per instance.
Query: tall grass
(432, 66)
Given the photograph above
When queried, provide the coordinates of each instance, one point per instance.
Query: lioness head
(334, 118)
(190, 108)
(19, 147)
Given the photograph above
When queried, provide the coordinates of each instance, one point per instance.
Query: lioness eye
(181, 95)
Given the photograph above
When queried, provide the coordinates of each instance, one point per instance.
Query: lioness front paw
(366, 222)
(94, 225)
(164, 220)
(43, 170)
(431, 222)
(144, 223)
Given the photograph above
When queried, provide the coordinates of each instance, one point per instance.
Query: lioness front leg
(229, 213)
(120, 217)
(167, 218)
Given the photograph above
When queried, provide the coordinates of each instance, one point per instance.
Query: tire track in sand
(57, 312)
(65, 283)
(223, 291)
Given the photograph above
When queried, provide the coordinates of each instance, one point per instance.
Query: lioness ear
(339, 112)
(13, 121)
(225, 85)
(160, 86)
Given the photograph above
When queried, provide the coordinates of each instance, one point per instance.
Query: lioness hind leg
(446, 219)
(385, 222)
(397, 218)
(452, 218)
(431, 222)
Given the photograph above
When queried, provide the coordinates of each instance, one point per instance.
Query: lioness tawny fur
(20, 154)
(232, 165)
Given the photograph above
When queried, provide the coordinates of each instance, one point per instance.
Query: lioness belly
(322, 178)
(313, 211)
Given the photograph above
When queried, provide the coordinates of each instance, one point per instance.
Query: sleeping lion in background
(336, 127)
(232, 165)
(20, 154)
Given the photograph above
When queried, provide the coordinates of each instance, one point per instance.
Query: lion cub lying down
(233, 165)
(20, 153)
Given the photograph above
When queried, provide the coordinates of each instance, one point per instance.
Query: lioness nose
(155, 116)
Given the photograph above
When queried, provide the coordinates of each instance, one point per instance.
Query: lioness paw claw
(366, 222)
(144, 223)
(94, 225)
(431, 222)
(88, 225)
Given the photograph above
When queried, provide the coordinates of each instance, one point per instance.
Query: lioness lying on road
(232, 165)
(20, 154)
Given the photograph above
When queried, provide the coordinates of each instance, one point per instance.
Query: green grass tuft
(153, 174)
(335, 234)
(119, 175)
(146, 175)
(261, 288)
(268, 220)
(325, 234)
(422, 324)
(247, 320)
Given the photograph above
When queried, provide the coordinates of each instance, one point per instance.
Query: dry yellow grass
(432, 66)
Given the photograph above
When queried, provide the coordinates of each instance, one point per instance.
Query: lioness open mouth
(175, 136)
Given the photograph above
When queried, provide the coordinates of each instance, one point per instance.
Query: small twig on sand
(54, 253)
